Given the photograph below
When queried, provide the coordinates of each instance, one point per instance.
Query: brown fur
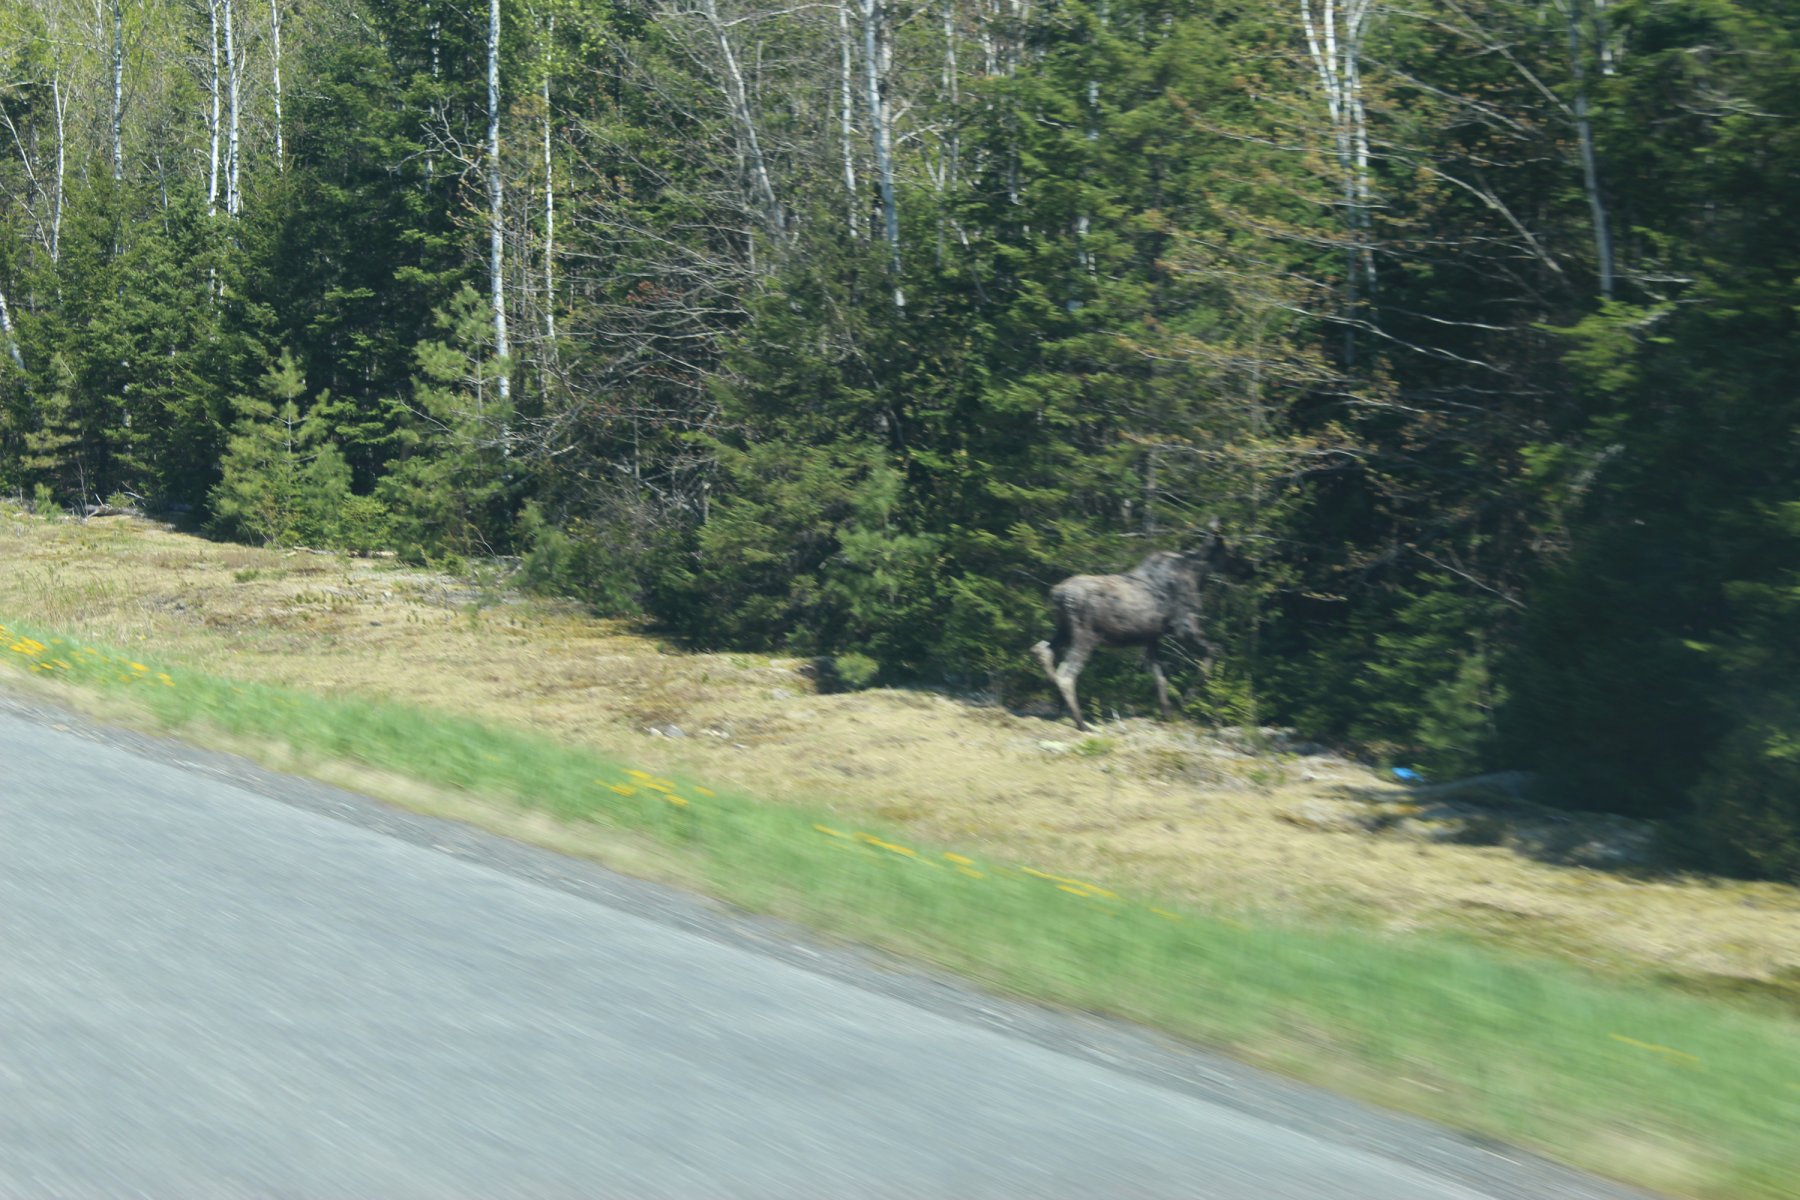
(1158, 598)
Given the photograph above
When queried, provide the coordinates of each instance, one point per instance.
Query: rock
(1049, 747)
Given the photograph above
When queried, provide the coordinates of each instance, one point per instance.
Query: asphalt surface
(219, 982)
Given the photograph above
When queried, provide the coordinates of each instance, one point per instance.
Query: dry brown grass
(1165, 810)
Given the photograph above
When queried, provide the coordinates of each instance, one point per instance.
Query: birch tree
(877, 58)
(1584, 132)
(234, 71)
(214, 112)
(45, 77)
(548, 69)
(496, 203)
(275, 81)
(6, 331)
(739, 98)
(1335, 30)
(847, 118)
(118, 89)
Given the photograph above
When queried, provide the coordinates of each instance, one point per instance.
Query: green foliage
(585, 558)
(43, 501)
(281, 483)
(1746, 804)
(452, 488)
(853, 672)
(807, 551)
(1491, 516)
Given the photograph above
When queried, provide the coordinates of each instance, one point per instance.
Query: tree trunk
(739, 97)
(1334, 41)
(59, 103)
(875, 54)
(234, 200)
(549, 194)
(6, 331)
(496, 200)
(275, 79)
(212, 121)
(847, 123)
(1590, 165)
(118, 90)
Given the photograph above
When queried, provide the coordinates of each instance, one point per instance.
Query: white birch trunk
(436, 30)
(234, 200)
(880, 117)
(212, 120)
(739, 97)
(847, 129)
(1590, 163)
(1334, 37)
(275, 80)
(118, 90)
(59, 104)
(496, 200)
(6, 331)
(549, 194)
(952, 82)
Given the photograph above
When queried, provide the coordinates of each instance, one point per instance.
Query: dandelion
(166, 681)
(624, 789)
(828, 831)
(959, 860)
(705, 792)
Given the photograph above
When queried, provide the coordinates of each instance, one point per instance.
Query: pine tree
(281, 483)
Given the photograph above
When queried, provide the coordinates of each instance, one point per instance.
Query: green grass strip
(1683, 1094)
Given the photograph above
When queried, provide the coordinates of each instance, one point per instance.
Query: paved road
(216, 982)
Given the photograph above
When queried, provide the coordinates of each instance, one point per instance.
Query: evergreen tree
(281, 482)
(454, 486)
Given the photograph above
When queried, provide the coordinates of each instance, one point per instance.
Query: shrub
(854, 672)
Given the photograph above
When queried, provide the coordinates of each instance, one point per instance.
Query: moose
(1158, 598)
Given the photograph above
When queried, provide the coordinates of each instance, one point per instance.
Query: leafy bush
(596, 561)
(853, 672)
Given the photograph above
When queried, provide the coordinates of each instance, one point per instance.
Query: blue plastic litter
(1408, 775)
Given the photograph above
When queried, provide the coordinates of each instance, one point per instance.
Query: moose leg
(1065, 676)
(1162, 683)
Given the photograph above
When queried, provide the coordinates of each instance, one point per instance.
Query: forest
(847, 328)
